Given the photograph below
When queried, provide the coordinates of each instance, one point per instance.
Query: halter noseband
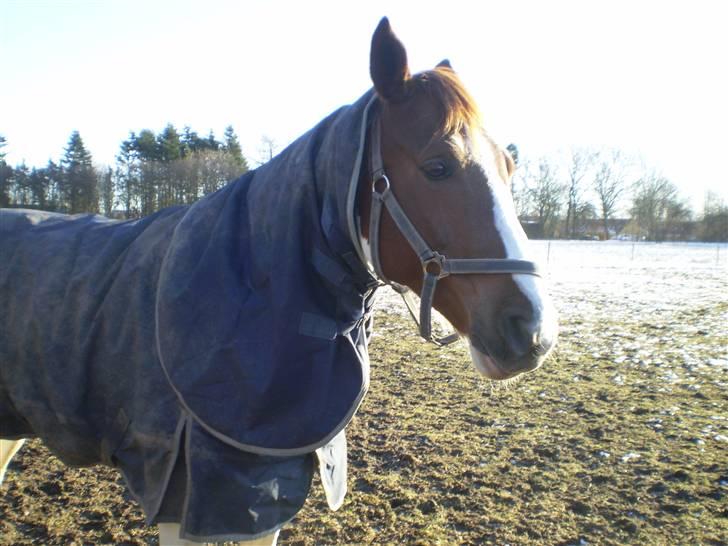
(435, 266)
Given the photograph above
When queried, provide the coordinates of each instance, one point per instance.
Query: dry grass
(618, 440)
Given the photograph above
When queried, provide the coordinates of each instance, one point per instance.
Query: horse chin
(487, 366)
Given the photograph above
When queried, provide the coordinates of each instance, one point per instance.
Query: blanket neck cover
(260, 300)
(206, 351)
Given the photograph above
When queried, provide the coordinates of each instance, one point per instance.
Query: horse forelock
(460, 114)
(460, 120)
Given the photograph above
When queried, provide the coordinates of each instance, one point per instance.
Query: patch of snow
(631, 456)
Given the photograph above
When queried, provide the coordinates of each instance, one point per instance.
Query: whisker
(504, 384)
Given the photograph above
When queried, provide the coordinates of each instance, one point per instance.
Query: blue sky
(646, 77)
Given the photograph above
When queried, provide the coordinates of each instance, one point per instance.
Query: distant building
(591, 229)
(624, 229)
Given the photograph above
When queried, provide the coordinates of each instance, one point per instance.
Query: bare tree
(580, 163)
(519, 188)
(268, 149)
(715, 218)
(658, 209)
(546, 196)
(609, 184)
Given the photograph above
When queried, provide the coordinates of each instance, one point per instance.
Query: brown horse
(429, 208)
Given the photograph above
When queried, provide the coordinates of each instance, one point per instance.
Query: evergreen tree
(147, 153)
(232, 147)
(106, 192)
(170, 150)
(54, 174)
(80, 185)
(158, 170)
(20, 193)
(39, 185)
(146, 147)
(6, 175)
(127, 178)
(170, 144)
(191, 142)
(210, 142)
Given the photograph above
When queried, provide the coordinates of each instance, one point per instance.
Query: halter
(435, 266)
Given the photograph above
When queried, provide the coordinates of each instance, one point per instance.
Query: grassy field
(620, 438)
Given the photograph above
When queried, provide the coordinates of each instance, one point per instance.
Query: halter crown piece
(435, 266)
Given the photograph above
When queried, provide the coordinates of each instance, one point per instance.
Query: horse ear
(510, 163)
(511, 156)
(512, 151)
(445, 63)
(388, 63)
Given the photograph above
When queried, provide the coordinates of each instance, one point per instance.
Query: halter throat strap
(435, 266)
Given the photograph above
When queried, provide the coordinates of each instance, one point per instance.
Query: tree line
(152, 171)
(604, 194)
(585, 195)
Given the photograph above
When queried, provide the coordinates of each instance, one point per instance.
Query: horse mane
(460, 112)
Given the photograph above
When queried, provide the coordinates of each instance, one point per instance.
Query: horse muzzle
(520, 342)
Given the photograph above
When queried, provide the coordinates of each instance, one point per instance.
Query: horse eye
(436, 169)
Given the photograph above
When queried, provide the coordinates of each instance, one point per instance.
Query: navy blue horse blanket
(206, 351)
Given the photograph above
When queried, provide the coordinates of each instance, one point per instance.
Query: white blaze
(514, 240)
(516, 243)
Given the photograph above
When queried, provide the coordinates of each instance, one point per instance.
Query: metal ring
(386, 186)
(438, 260)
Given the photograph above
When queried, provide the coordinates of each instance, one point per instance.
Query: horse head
(450, 181)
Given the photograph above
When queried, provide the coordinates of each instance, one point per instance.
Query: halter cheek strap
(435, 266)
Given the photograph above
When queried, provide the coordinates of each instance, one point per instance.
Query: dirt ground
(621, 438)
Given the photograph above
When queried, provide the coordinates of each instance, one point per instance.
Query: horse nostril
(521, 333)
(539, 350)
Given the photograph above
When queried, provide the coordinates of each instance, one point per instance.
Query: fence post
(633, 251)
(548, 253)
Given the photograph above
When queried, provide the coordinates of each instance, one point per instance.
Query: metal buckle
(376, 181)
(435, 266)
